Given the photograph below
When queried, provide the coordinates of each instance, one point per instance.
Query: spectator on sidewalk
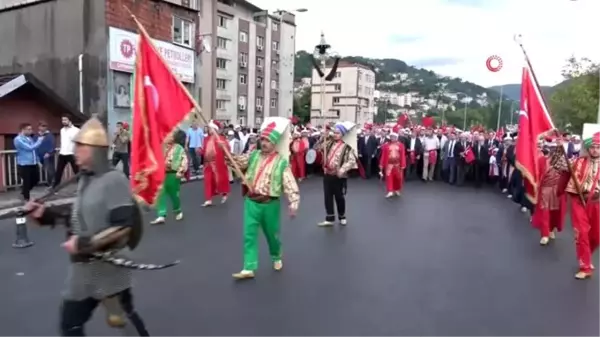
(27, 158)
(193, 143)
(121, 148)
(46, 152)
(66, 151)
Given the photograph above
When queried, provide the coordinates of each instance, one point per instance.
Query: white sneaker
(343, 222)
(325, 224)
(224, 199)
(523, 209)
(504, 190)
(179, 216)
(207, 203)
(389, 195)
(509, 196)
(158, 221)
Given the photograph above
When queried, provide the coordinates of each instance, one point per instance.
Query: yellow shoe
(116, 321)
(581, 275)
(179, 216)
(158, 221)
(207, 203)
(243, 275)
(544, 241)
(278, 265)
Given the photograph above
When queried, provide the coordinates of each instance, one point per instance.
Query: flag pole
(143, 31)
(576, 183)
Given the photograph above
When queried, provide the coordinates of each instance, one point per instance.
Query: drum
(311, 156)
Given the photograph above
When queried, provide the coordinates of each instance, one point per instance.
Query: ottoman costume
(392, 164)
(340, 157)
(176, 166)
(269, 175)
(103, 220)
(216, 175)
(585, 214)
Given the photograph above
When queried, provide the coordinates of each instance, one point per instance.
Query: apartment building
(249, 75)
(350, 96)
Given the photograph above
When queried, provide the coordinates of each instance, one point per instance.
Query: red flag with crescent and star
(160, 104)
(534, 120)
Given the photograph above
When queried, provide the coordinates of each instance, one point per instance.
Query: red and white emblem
(127, 49)
(494, 63)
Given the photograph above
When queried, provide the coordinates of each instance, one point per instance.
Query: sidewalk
(10, 201)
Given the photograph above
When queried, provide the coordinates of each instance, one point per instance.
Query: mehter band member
(269, 175)
(176, 165)
(216, 175)
(585, 214)
(340, 157)
(549, 214)
(393, 164)
(104, 219)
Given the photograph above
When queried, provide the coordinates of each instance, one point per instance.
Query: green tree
(575, 101)
(302, 105)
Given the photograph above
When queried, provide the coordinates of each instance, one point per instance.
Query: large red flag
(160, 104)
(534, 120)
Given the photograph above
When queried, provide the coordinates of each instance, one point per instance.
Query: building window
(242, 101)
(183, 32)
(243, 79)
(258, 121)
(243, 37)
(259, 62)
(336, 100)
(259, 101)
(273, 84)
(221, 84)
(244, 57)
(273, 102)
(275, 64)
(259, 81)
(337, 87)
(222, 21)
(221, 104)
(275, 26)
(221, 63)
(260, 41)
(221, 43)
(338, 74)
(275, 45)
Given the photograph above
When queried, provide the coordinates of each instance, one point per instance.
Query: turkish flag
(402, 119)
(534, 120)
(428, 121)
(160, 104)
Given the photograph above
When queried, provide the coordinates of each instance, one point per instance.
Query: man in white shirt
(67, 147)
(431, 144)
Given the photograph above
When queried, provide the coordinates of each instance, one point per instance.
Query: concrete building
(53, 39)
(251, 72)
(350, 96)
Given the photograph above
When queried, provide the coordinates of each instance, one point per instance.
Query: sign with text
(122, 45)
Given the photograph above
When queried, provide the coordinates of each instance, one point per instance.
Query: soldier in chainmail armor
(103, 219)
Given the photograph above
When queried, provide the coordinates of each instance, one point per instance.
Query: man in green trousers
(176, 166)
(267, 176)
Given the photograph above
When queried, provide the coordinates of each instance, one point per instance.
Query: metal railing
(10, 177)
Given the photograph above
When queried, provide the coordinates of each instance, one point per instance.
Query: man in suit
(462, 168)
(450, 157)
(414, 152)
(482, 161)
(367, 149)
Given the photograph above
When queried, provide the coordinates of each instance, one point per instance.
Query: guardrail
(9, 178)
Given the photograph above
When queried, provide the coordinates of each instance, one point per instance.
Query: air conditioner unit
(241, 107)
(259, 47)
(259, 85)
(243, 64)
(259, 108)
(277, 52)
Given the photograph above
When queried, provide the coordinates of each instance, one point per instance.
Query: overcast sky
(454, 37)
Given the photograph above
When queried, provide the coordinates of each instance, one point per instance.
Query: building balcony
(224, 74)
(223, 95)
(225, 53)
(226, 33)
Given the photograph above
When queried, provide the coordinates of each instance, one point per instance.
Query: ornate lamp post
(321, 56)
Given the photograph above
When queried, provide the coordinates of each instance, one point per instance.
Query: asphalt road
(438, 261)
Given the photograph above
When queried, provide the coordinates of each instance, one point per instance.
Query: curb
(69, 200)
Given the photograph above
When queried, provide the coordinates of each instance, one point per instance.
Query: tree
(575, 101)
(302, 105)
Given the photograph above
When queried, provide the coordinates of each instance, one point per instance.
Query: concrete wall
(47, 38)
